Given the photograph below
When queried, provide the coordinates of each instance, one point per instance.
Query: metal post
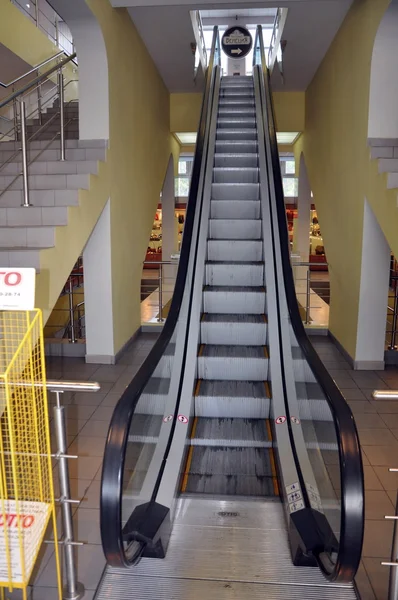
(37, 13)
(56, 30)
(73, 590)
(61, 112)
(39, 104)
(72, 338)
(307, 300)
(392, 345)
(25, 176)
(15, 115)
(160, 318)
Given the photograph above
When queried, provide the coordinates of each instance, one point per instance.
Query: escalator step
(231, 432)
(239, 399)
(221, 460)
(233, 485)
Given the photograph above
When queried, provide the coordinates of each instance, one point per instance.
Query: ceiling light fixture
(287, 137)
(186, 138)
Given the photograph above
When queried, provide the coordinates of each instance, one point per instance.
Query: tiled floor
(88, 417)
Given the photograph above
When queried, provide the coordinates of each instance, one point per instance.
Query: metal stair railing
(17, 101)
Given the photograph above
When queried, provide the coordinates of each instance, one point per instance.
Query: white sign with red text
(17, 289)
(23, 523)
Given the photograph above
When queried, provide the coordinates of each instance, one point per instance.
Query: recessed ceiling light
(28, 6)
(287, 137)
(186, 138)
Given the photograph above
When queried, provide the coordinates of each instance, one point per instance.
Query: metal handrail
(32, 84)
(32, 70)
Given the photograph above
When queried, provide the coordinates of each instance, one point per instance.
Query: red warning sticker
(183, 419)
(295, 420)
(167, 418)
(280, 420)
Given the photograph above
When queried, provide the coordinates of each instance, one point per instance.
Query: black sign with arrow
(237, 42)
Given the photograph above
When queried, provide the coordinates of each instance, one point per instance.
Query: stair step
(234, 300)
(235, 175)
(20, 257)
(211, 460)
(235, 250)
(236, 112)
(27, 237)
(232, 146)
(239, 330)
(241, 399)
(48, 182)
(14, 198)
(235, 274)
(236, 91)
(230, 432)
(34, 216)
(237, 209)
(153, 399)
(67, 167)
(237, 123)
(236, 134)
(235, 229)
(54, 154)
(388, 165)
(226, 101)
(241, 160)
(235, 191)
(392, 180)
(384, 152)
(233, 362)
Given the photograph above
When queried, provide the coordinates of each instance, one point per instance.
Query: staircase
(386, 152)
(50, 122)
(54, 188)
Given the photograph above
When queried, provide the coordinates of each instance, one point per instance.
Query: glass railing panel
(322, 449)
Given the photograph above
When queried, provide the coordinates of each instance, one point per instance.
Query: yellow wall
(338, 161)
(289, 111)
(140, 147)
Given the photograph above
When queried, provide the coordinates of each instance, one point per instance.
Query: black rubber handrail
(117, 439)
(351, 469)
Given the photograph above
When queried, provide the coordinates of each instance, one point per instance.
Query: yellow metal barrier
(26, 484)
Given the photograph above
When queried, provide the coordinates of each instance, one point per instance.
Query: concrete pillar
(169, 224)
(98, 292)
(373, 295)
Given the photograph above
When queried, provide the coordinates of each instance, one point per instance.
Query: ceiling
(310, 28)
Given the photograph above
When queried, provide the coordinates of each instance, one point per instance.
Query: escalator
(232, 467)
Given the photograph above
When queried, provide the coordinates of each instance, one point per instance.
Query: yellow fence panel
(26, 483)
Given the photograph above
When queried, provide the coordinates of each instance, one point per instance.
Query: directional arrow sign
(237, 42)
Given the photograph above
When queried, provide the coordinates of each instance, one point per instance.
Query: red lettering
(12, 278)
(12, 520)
(28, 521)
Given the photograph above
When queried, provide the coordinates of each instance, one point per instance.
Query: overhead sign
(17, 289)
(237, 42)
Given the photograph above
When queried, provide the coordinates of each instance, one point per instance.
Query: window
(290, 187)
(290, 182)
(183, 180)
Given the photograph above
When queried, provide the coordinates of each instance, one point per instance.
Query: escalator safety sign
(183, 419)
(280, 420)
(295, 420)
(295, 506)
(167, 419)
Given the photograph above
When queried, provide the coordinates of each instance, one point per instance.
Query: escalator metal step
(234, 329)
(235, 191)
(312, 402)
(221, 460)
(241, 399)
(233, 362)
(236, 112)
(235, 209)
(145, 428)
(302, 370)
(235, 250)
(236, 159)
(231, 432)
(235, 273)
(236, 135)
(234, 485)
(232, 146)
(235, 175)
(235, 300)
(236, 123)
(235, 229)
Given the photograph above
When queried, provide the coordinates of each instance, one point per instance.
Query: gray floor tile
(98, 474)
(86, 523)
(369, 421)
(84, 467)
(385, 407)
(79, 412)
(377, 540)
(377, 505)
(380, 456)
(372, 482)
(90, 563)
(388, 480)
(352, 393)
(88, 398)
(87, 446)
(378, 576)
(92, 496)
(73, 426)
(111, 399)
(108, 373)
(103, 413)
(363, 584)
(393, 498)
(377, 437)
(361, 407)
(390, 420)
(95, 428)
